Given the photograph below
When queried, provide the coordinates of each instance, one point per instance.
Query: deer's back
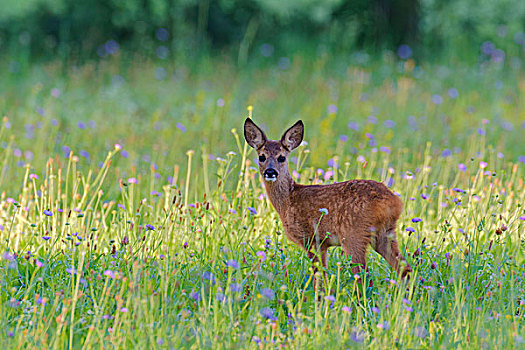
(353, 206)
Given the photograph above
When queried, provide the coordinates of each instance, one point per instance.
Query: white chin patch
(270, 179)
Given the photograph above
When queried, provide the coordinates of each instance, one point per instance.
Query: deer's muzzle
(270, 174)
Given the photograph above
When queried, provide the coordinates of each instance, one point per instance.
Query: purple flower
(424, 196)
(409, 309)
(71, 270)
(252, 210)
(332, 109)
(109, 274)
(329, 298)
(181, 127)
(48, 213)
(150, 227)
(353, 126)
(124, 309)
(357, 336)
(268, 293)
(404, 52)
(437, 99)
(235, 287)
(415, 220)
(462, 167)
(389, 123)
(46, 238)
(453, 93)
(385, 149)
(458, 190)
(195, 295)
(446, 153)
(266, 312)
(323, 211)
(521, 159)
(410, 229)
(234, 264)
(406, 301)
(375, 310)
(261, 255)
(346, 309)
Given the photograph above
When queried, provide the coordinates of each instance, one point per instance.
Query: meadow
(132, 213)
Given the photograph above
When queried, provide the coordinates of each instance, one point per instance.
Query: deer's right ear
(253, 134)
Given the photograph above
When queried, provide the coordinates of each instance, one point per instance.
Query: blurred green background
(81, 29)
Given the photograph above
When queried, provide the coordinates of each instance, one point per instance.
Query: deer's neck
(279, 193)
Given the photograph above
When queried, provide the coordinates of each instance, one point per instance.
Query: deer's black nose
(270, 173)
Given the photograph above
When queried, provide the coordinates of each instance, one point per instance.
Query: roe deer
(360, 212)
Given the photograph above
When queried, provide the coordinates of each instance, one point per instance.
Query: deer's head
(273, 155)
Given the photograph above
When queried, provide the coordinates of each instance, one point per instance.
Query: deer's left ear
(293, 137)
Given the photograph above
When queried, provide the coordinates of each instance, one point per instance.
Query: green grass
(168, 241)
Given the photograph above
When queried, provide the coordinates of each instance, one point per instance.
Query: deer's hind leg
(385, 243)
(356, 249)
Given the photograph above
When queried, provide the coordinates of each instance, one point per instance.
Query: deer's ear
(253, 134)
(293, 136)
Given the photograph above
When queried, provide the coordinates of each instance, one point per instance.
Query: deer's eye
(281, 159)
(262, 158)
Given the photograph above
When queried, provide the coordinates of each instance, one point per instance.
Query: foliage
(81, 28)
(132, 213)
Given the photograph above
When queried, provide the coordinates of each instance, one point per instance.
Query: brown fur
(360, 212)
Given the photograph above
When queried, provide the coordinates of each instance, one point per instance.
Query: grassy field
(132, 213)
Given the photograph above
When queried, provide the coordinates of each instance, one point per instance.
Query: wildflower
(39, 263)
(195, 295)
(409, 309)
(124, 309)
(383, 325)
(118, 147)
(220, 297)
(446, 153)
(235, 287)
(48, 213)
(109, 274)
(181, 127)
(433, 266)
(132, 180)
(346, 309)
(266, 312)
(458, 190)
(252, 210)
(375, 310)
(233, 264)
(232, 211)
(437, 99)
(46, 238)
(416, 220)
(323, 211)
(268, 293)
(332, 109)
(261, 255)
(406, 301)
(453, 93)
(385, 149)
(483, 165)
(357, 336)
(404, 52)
(71, 270)
(33, 176)
(329, 298)
(150, 227)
